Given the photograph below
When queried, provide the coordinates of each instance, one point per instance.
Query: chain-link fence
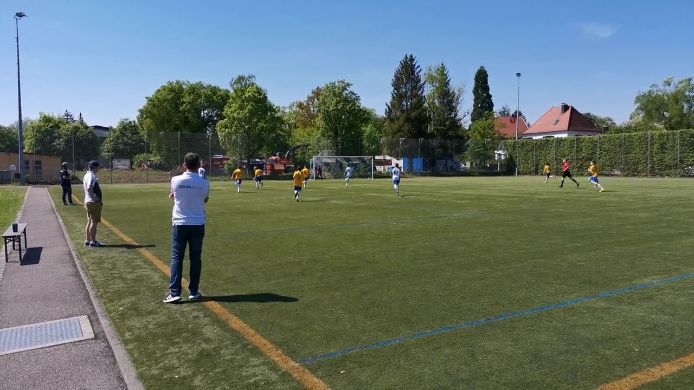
(426, 156)
(157, 156)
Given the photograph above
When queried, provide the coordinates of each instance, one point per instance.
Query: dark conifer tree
(482, 99)
(443, 102)
(406, 114)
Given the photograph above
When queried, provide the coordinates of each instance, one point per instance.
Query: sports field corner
(458, 283)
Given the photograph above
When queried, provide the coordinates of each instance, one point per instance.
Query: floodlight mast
(518, 75)
(20, 130)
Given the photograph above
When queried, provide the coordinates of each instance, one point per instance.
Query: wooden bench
(15, 237)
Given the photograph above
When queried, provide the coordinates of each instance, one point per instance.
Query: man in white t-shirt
(396, 178)
(202, 173)
(93, 202)
(189, 192)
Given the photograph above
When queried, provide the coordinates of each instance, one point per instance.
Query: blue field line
(490, 320)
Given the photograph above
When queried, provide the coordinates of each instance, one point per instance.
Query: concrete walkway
(47, 285)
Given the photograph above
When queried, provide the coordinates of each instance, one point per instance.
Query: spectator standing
(189, 193)
(66, 183)
(93, 202)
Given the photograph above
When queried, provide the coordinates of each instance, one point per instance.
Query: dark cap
(64, 164)
(93, 164)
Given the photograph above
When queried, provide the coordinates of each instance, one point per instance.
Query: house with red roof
(562, 121)
(506, 126)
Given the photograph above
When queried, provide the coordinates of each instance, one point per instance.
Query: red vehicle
(217, 163)
(278, 164)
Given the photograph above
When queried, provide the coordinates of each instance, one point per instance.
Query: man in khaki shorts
(93, 203)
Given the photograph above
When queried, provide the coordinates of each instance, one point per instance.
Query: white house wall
(563, 134)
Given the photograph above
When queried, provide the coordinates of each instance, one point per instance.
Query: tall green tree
(372, 134)
(302, 120)
(180, 107)
(341, 117)
(601, 121)
(43, 136)
(8, 139)
(51, 135)
(443, 102)
(483, 137)
(406, 114)
(670, 105)
(481, 97)
(81, 138)
(305, 112)
(252, 126)
(125, 140)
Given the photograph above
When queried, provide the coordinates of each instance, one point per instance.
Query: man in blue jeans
(189, 192)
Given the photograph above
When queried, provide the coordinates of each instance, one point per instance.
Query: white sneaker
(172, 298)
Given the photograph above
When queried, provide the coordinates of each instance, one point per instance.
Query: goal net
(334, 167)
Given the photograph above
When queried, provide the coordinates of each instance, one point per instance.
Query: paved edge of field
(51, 284)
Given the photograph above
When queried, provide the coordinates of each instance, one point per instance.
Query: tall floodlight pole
(518, 75)
(20, 137)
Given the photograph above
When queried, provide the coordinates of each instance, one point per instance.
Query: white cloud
(596, 30)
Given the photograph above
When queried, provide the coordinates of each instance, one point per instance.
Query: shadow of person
(250, 298)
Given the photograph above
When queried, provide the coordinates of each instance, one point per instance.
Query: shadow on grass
(129, 246)
(252, 298)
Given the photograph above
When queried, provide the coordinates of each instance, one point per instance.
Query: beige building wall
(40, 168)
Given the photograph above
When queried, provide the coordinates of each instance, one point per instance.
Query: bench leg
(25, 238)
(5, 250)
(20, 249)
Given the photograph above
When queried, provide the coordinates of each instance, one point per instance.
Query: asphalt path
(49, 284)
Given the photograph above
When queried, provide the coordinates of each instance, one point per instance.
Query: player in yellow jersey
(298, 178)
(237, 176)
(593, 169)
(547, 170)
(258, 177)
(305, 173)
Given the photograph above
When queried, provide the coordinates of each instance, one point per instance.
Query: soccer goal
(334, 167)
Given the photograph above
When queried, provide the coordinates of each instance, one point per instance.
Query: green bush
(658, 153)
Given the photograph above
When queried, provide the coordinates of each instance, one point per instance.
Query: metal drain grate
(44, 334)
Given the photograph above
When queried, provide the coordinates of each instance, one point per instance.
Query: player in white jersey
(202, 173)
(348, 175)
(396, 178)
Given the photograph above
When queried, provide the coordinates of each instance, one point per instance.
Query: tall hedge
(662, 153)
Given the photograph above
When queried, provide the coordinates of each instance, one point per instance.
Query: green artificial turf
(350, 267)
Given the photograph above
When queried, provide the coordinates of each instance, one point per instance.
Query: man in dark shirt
(66, 184)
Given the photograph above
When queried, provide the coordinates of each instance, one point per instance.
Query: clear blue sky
(103, 58)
